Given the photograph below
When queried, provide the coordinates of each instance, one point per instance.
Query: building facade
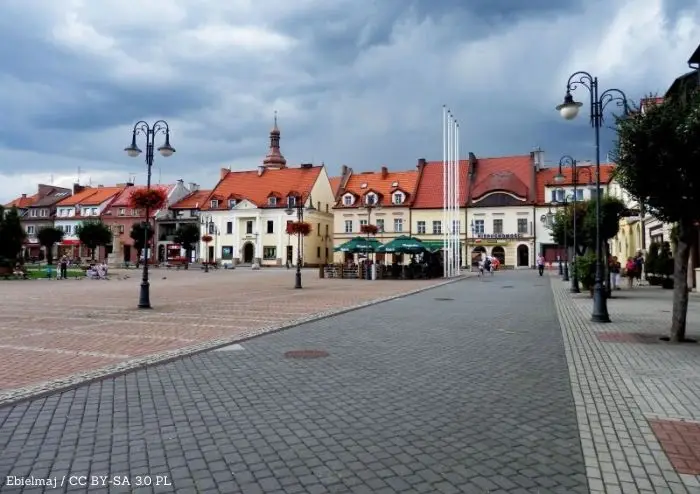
(168, 222)
(382, 198)
(246, 213)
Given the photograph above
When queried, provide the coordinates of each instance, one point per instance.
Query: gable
(498, 199)
(245, 204)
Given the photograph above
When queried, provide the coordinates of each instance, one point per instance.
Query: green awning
(436, 245)
(359, 244)
(404, 244)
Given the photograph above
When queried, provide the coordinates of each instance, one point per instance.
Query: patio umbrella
(404, 244)
(359, 244)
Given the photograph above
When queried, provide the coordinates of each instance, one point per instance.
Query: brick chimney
(224, 172)
(421, 163)
(77, 188)
(385, 171)
(193, 187)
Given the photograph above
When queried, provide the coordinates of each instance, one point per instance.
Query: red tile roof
(22, 202)
(335, 183)
(382, 183)
(123, 199)
(193, 200)
(91, 196)
(507, 173)
(430, 188)
(257, 188)
(586, 175)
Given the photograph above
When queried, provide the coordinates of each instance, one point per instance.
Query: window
(270, 226)
(291, 201)
(318, 230)
(456, 226)
(558, 195)
(327, 231)
(398, 224)
(326, 252)
(249, 227)
(94, 211)
(371, 199)
(231, 203)
(363, 222)
(348, 226)
(136, 212)
(594, 192)
(478, 226)
(229, 228)
(326, 208)
(269, 253)
(68, 229)
(522, 225)
(226, 252)
(398, 197)
(272, 201)
(380, 225)
(421, 227)
(32, 212)
(214, 204)
(318, 206)
(347, 200)
(579, 194)
(318, 252)
(121, 228)
(122, 211)
(44, 213)
(30, 229)
(437, 227)
(498, 226)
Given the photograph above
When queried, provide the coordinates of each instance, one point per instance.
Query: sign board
(499, 236)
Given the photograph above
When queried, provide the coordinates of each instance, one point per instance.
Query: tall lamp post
(370, 206)
(299, 207)
(569, 109)
(166, 150)
(207, 223)
(564, 202)
(568, 161)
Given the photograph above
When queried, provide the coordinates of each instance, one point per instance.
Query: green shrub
(585, 269)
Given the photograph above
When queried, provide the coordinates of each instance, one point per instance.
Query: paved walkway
(463, 388)
(57, 333)
(637, 398)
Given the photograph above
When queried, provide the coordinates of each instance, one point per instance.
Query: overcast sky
(356, 82)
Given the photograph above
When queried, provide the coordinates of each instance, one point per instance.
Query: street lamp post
(569, 110)
(548, 220)
(166, 150)
(207, 223)
(299, 207)
(369, 206)
(471, 260)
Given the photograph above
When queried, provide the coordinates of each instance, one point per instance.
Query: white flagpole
(445, 236)
(454, 202)
(451, 191)
(459, 215)
(444, 182)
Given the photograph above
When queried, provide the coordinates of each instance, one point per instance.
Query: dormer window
(231, 203)
(214, 203)
(291, 201)
(397, 198)
(272, 201)
(122, 211)
(348, 199)
(371, 199)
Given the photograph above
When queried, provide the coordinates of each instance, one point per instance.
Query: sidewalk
(637, 398)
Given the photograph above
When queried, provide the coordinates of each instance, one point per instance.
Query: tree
(611, 211)
(657, 154)
(92, 234)
(187, 236)
(48, 237)
(138, 235)
(12, 235)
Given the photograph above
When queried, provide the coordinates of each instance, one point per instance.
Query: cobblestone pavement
(52, 330)
(463, 388)
(637, 398)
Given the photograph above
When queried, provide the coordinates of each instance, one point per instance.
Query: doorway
(248, 253)
(477, 254)
(523, 256)
(290, 255)
(127, 253)
(499, 253)
(212, 255)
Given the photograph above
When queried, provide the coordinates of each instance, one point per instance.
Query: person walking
(540, 264)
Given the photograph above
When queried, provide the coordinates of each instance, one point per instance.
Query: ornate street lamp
(166, 150)
(299, 207)
(569, 109)
(207, 223)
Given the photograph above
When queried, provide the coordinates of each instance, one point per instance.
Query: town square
(334, 247)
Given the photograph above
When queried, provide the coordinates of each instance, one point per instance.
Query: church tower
(274, 158)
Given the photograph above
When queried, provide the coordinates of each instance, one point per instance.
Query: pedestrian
(540, 264)
(64, 268)
(615, 269)
(638, 267)
(629, 271)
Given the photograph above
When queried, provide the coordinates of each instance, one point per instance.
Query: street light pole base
(297, 280)
(145, 296)
(600, 306)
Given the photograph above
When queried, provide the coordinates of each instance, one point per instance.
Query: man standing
(64, 268)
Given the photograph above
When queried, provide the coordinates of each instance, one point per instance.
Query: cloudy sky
(356, 82)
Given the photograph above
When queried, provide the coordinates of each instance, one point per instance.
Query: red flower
(207, 238)
(298, 228)
(369, 229)
(152, 199)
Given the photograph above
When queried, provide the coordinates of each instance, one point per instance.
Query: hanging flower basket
(148, 199)
(298, 228)
(206, 239)
(369, 229)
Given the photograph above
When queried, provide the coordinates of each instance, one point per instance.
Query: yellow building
(246, 213)
(379, 198)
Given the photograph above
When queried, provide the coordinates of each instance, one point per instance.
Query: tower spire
(274, 158)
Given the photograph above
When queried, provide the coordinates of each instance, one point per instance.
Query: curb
(12, 397)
